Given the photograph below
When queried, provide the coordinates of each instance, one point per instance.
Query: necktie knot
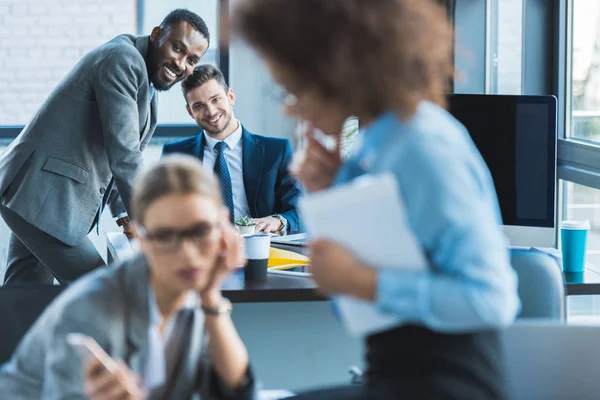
(220, 147)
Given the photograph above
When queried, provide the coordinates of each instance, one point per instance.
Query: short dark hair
(185, 15)
(201, 75)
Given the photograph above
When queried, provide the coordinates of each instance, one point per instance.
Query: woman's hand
(337, 271)
(121, 384)
(319, 166)
(230, 258)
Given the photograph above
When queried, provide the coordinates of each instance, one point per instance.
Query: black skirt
(415, 362)
(412, 362)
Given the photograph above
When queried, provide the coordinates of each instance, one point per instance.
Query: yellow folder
(284, 259)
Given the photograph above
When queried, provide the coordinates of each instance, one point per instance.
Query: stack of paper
(367, 216)
(283, 259)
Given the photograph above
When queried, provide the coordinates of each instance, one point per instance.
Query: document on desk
(367, 216)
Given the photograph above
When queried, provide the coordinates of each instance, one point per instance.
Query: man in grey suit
(83, 147)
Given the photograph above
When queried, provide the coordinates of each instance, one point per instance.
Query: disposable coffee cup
(258, 247)
(573, 236)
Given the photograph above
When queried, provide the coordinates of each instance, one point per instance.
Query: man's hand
(128, 230)
(319, 166)
(99, 384)
(267, 224)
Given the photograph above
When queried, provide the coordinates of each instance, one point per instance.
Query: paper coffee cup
(573, 236)
(258, 248)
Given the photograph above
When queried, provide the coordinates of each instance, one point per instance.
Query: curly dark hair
(369, 56)
(183, 15)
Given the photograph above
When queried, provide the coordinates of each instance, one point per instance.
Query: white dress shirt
(155, 373)
(233, 156)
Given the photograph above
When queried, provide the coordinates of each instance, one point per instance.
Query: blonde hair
(174, 174)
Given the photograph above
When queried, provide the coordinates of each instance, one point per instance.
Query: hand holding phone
(104, 378)
(87, 347)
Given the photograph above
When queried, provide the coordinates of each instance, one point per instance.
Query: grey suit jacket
(110, 305)
(92, 128)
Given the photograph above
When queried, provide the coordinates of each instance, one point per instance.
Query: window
(579, 154)
(41, 42)
(585, 70)
(506, 46)
(583, 203)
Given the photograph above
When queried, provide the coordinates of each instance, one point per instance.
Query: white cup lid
(575, 224)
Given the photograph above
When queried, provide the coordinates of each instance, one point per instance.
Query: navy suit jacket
(265, 160)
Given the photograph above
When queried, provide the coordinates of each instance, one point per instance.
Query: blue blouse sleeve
(452, 208)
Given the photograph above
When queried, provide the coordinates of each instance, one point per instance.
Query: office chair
(541, 285)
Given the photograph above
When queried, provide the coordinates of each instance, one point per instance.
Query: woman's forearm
(228, 352)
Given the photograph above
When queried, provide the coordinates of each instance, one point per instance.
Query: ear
(155, 34)
(189, 110)
(231, 96)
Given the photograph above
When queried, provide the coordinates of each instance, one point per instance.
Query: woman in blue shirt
(388, 62)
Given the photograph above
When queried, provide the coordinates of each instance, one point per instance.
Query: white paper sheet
(367, 216)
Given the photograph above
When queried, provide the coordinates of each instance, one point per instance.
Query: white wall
(256, 107)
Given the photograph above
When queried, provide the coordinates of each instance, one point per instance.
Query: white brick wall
(40, 40)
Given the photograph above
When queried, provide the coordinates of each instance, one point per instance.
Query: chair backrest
(551, 361)
(20, 306)
(541, 285)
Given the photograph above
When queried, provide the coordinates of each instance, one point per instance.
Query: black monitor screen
(516, 135)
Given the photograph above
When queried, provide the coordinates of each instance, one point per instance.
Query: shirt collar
(231, 141)
(191, 301)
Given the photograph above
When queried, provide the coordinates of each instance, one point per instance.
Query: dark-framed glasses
(167, 239)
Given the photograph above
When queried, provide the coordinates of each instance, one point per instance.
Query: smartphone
(87, 347)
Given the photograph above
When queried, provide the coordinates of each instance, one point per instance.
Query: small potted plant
(245, 225)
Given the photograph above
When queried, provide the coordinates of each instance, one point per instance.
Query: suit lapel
(252, 163)
(200, 146)
(151, 119)
(138, 313)
(141, 44)
(190, 364)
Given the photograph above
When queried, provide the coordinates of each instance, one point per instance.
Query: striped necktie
(222, 172)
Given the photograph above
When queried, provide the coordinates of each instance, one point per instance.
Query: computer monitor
(516, 136)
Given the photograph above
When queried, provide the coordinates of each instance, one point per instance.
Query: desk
(281, 286)
(583, 284)
(577, 284)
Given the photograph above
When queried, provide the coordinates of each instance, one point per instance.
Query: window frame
(578, 159)
(8, 132)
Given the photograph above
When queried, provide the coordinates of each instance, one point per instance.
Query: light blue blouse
(453, 210)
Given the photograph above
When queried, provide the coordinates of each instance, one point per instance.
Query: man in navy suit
(252, 169)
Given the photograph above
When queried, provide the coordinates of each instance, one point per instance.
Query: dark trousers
(36, 257)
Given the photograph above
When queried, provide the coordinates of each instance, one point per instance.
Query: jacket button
(102, 190)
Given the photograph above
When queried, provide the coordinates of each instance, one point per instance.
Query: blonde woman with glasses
(159, 316)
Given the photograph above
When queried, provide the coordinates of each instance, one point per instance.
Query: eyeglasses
(290, 100)
(170, 240)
